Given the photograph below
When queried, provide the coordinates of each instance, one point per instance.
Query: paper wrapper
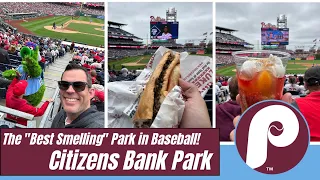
(123, 96)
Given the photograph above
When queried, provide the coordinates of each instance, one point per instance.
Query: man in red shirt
(14, 100)
(309, 106)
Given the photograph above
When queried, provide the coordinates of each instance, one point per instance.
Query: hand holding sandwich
(195, 114)
(163, 79)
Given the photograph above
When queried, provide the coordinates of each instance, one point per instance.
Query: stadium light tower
(171, 15)
(282, 21)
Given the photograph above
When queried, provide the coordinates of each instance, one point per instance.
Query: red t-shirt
(310, 108)
(93, 79)
(99, 95)
(224, 83)
(86, 66)
(22, 105)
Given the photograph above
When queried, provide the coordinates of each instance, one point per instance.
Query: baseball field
(293, 67)
(134, 63)
(83, 30)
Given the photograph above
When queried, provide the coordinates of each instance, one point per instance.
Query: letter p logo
(272, 137)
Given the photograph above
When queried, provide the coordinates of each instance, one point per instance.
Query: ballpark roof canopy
(225, 29)
(115, 23)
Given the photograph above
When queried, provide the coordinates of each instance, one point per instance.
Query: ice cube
(278, 61)
(280, 70)
(248, 69)
(259, 65)
(275, 59)
(272, 58)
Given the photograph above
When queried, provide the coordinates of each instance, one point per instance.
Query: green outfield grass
(117, 64)
(145, 59)
(293, 67)
(85, 28)
(37, 27)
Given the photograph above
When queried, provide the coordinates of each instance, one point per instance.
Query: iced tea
(260, 78)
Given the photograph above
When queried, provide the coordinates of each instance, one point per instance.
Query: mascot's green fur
(31, 71)
(35, 99)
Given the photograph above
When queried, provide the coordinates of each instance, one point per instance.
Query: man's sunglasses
(78, 86)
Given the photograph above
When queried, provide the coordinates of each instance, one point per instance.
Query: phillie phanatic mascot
(30, 71)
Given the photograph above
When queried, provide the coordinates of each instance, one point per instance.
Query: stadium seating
(118, 31)
(222, 37)
(46, 8)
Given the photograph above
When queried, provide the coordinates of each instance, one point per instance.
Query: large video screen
(164, 30)
(275, 36)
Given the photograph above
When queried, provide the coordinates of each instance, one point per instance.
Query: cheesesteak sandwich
(162, 81)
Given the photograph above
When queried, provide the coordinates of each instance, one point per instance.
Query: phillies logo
(272, 137)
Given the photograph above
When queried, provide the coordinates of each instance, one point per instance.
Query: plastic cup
(261, 75)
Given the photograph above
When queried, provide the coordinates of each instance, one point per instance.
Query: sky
(194, 18)
(302, 20)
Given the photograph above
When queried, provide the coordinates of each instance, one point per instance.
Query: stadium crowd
(231, 47)
(124, 42)
(121, 53)
(302, 55)
(224, 59)
(118, 31)
(45, 8)
(222, 38)
(49, 51)
(123, 75)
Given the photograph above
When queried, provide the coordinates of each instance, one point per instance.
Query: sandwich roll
(156, 90)
(174, 78)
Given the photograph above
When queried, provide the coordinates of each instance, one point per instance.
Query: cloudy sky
(303, 20)
(194, 18)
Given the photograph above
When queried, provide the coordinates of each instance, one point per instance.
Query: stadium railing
(31, 122)
(48, 114)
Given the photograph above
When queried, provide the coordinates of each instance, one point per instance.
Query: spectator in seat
(124, 71)
(100, 76)
(301, 81)
(14, 100)
(4, 56)
(96, 64)
(84, 58)
(226, 112)
(98, 100)
(292, 87)
(309, 106)
(86, 65)
(72, 47)
(48, 54)
(98, 58)
(225, 82)
(93, 76)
